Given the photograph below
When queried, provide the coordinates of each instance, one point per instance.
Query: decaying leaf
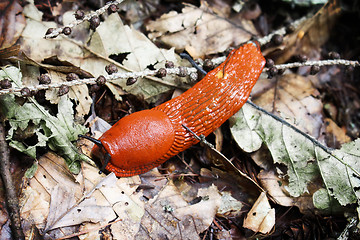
(199, 31)
(92, 51)
(306, 161)
(12, 22)
(56, 132)
(294, 98)
(310, 35)
(116, 40)
(335, 135)
(56, 201)
(261, 217)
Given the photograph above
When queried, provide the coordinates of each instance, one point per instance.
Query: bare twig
(11, 198)
(147, 73)
(56, 31)
(109, 78)
(319, 63)
(281, 31)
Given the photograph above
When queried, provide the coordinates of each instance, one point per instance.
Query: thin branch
(57, 31)
(10, 192)
(319, 63)
(176, 71)
(281, 31)
(109, 78)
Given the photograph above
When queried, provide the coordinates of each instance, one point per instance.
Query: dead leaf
(199, 31)
(335, 136)
(54, 200)
(92, 51)
(261, 217)
(114, 39)
(12, 23)
(272, 183)
(309, 36)
(170, 215)
(306, 167)
(292, 97)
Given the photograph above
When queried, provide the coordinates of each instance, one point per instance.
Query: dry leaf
(12, 22)
(92, 51)
(272, 183)
(335, 135)
(293, 98)
(113, 38)
(261, 217)
(55, 200)
(199, 31)
(309, 36)
(169, 215)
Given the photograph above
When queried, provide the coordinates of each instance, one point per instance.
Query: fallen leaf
(294, 99)
(170, 215)
(199, 31)
(114, 39)
(56, 132)
(307, 161)
(273, 185)
(261, 217)
(92, 51)
(12, 22)
(335, 135)
(309, 35)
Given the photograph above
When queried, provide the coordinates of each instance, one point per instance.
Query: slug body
(143, 140)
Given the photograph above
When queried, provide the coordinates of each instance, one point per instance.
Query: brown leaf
(261, 217)
(309, 36)
(199, 31)
(292, 97)
(335, 136)
(12, 22)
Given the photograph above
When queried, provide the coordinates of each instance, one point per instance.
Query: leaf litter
(298, 186)
(305, 161)
(57, 132)
(55, 200)
(199, 31)
(94, 50)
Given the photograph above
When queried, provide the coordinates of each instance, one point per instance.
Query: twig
(281, 31)
(319, 63)
(109, 78)
(176, 71)
(56, 31)
(326, 149)
(11, 198)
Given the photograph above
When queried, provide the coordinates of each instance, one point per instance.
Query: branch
(56, 31)
(10, 192)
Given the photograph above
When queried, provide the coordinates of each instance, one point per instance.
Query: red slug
(144, 140)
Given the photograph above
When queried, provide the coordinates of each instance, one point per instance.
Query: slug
(144, 140)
